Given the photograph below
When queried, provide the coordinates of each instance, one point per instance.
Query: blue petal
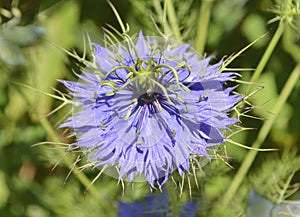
(104, 58)
(155, 206)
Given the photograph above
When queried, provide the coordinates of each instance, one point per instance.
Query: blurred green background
(29, 186)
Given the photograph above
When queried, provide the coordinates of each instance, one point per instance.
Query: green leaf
(47, 63)
(4, 191)
(254, 27)
(10, 53)
(228, 13)
(22, 35)
(17, 106)
(62, 26)
(234, 151)
(274, 177)
(266, 98)
(36, 211)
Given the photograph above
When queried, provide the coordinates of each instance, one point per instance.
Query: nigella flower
(151, 105)
(156, 206)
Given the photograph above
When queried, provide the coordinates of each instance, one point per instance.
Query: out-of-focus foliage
(281, 169)
(31, 33)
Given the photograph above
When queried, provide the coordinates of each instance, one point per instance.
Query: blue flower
(150, 106)
(156, 206)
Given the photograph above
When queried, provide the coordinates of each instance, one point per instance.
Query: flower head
(156, 206)
(151, 106)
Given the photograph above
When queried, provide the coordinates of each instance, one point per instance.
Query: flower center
(148, 98)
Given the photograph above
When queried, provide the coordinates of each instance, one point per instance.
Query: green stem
(173, 19)
(267, 126)
(267, 54)
(173, 199)
(289, 45)
(67, 161)
(203, 23)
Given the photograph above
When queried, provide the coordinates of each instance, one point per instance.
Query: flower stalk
(203, 24)
(267, 54)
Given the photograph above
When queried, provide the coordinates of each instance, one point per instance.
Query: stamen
(163, 89)
(159, 105)
(134, 102)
